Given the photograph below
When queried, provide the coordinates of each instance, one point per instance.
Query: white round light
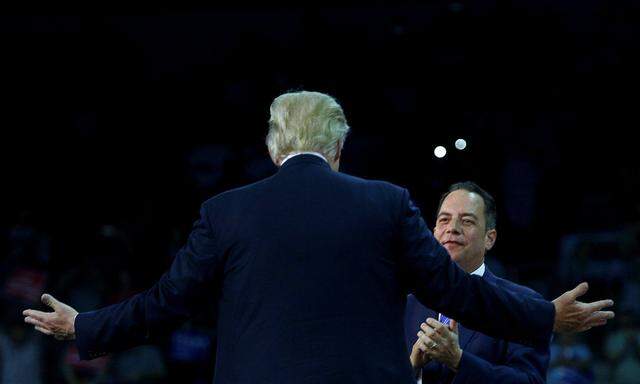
(440, 151)
(461, 144)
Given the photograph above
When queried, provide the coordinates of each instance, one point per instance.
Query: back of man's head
(306, 121)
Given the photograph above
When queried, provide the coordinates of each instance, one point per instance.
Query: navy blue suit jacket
(309, 270)
(484, 359)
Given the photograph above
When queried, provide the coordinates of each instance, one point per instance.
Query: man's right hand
(575, 316)
(60, 323)
(419, 357)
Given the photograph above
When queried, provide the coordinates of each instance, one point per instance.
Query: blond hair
(305, 121)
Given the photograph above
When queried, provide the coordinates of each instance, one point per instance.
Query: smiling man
(466, 227)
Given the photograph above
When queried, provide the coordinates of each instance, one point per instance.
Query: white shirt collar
(479, 271)
(292, 154)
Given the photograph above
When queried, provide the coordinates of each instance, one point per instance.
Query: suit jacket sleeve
(169, 302)
(441, 285)
(523, 365)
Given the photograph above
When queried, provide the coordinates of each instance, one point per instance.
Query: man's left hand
(441, 342)
(60, 323)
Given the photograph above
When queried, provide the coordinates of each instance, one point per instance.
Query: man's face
(461, 229)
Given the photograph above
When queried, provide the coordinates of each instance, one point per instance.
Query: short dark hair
(489, 202)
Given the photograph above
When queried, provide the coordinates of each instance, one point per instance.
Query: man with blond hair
(309, 270)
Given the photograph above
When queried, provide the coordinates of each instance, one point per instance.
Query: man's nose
(453, 227)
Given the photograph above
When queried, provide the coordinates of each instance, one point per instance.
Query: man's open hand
(59, 323)
(575, 316)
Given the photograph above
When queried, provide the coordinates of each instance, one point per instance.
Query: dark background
(118, 122)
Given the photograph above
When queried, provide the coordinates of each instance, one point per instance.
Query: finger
(434, 351)
(424, 342)
(434, 336)
(454, 326)
(43, 330)
(578, 291)
(435, 324)
(38, 315)
(596, 320)
(32, 321)
(597, 323)
(428, 342)
(50, 301)
(424, 338)
(426, 329)
(442, 331)
(598, 305)
(599, 316)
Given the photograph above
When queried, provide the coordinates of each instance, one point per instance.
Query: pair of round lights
(441, 151)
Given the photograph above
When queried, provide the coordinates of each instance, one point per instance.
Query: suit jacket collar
(490, 277)
(304, 159)
(465, 336)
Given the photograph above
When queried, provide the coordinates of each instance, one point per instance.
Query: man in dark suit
(466, 227)
(310, 270)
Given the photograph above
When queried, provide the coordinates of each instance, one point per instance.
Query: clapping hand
(436, 342)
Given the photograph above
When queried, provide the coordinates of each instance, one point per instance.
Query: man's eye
(467, 222)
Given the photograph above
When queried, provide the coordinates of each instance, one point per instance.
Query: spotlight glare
(440, 151)
(461, 144)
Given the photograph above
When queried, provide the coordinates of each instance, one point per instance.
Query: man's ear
(275, 160)
(490, 239)
(339, 146)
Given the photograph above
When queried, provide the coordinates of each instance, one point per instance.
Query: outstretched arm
(441, 285)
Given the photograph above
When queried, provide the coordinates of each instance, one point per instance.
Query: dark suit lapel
(415, 314)
(465, 335)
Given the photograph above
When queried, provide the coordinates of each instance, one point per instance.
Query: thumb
(578, 291)
(50, 301)
(454, 326)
